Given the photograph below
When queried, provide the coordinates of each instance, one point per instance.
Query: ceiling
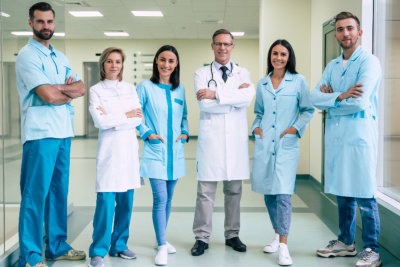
(183, 19)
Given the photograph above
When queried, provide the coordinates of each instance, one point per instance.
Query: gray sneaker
(39, 264)
(96, 261)
(337, 248)
(126, 254)
(368, 258)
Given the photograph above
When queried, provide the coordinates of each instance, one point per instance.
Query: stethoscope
(214, 82)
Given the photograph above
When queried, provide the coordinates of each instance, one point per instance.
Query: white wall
(322, 11)
(290, 20)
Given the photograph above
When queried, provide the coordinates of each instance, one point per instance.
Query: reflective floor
(313, 222)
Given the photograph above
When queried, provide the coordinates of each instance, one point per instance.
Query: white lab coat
(117, 163)
(222, 147)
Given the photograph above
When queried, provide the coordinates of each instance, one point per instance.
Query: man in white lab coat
(224, 91)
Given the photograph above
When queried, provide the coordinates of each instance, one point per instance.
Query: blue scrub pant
(44, 190)
(163, 190)
(280, 212)
(369, 216)
(107, 204)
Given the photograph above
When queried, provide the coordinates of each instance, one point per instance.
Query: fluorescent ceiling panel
(237, 33)
(116, 34)
(147, 13)
(4, 14)
(22, 33)
(86, 14)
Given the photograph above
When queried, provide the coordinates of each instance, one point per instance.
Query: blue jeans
(370, 220)
(280, 212)
(163, 190)
(109, 205)
(44, 191)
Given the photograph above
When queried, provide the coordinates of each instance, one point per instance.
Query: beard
(350, 45)
(42, 36)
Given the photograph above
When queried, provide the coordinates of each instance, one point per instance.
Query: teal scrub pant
(44, 190)
(107, 204)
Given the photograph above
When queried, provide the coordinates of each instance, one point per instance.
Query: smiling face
(223, 46)
(347, 33)
(166, 64)
(279, 57)
(42, 25)
(113, 66)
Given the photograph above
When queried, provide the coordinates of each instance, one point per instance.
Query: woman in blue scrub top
(164, 132)
(283, 109)
(115, 108)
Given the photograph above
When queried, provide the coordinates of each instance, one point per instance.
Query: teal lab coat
(165, 114)
(351, 128)
(275, 159)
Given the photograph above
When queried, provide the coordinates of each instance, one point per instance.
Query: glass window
(387, 41)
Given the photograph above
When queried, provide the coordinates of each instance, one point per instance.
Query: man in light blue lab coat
(46, 85)
(348, 90)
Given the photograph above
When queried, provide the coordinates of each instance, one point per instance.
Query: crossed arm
(59, 94)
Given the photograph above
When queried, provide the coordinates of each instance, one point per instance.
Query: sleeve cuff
(146, 134)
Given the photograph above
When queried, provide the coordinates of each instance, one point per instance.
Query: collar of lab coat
(353, 57)
(268, 83)
(41, 47)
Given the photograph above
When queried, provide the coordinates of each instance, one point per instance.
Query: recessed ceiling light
(86, 13)
(116, 34)
(22, 33)
(4, 14)
(147, 13)
(237, 33)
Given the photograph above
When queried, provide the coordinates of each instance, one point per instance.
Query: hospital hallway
(313, 221)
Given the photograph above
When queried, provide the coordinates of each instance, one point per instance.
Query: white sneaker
(337, 248)
(284, 256)
(171, 249)
(273, 246)
(162, 255)
(368, 258)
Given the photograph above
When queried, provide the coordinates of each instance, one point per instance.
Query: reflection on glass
(388, 50)
(11, 132)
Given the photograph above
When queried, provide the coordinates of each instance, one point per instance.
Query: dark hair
(291, 63)
(104, 57)
(174, 78)
(221, 31)
(346, 15)
(41, 6)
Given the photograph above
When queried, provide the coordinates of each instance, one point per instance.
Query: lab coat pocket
(290, 141)
(153, 149)
(181, 148)
(259, 152)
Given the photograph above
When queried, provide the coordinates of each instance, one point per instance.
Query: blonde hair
(103, 58)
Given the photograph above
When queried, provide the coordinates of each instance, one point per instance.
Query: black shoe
(236, 244)
(198, 248)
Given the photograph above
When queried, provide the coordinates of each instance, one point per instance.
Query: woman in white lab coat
(115, 109)
(283, 108)
(164, 132)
